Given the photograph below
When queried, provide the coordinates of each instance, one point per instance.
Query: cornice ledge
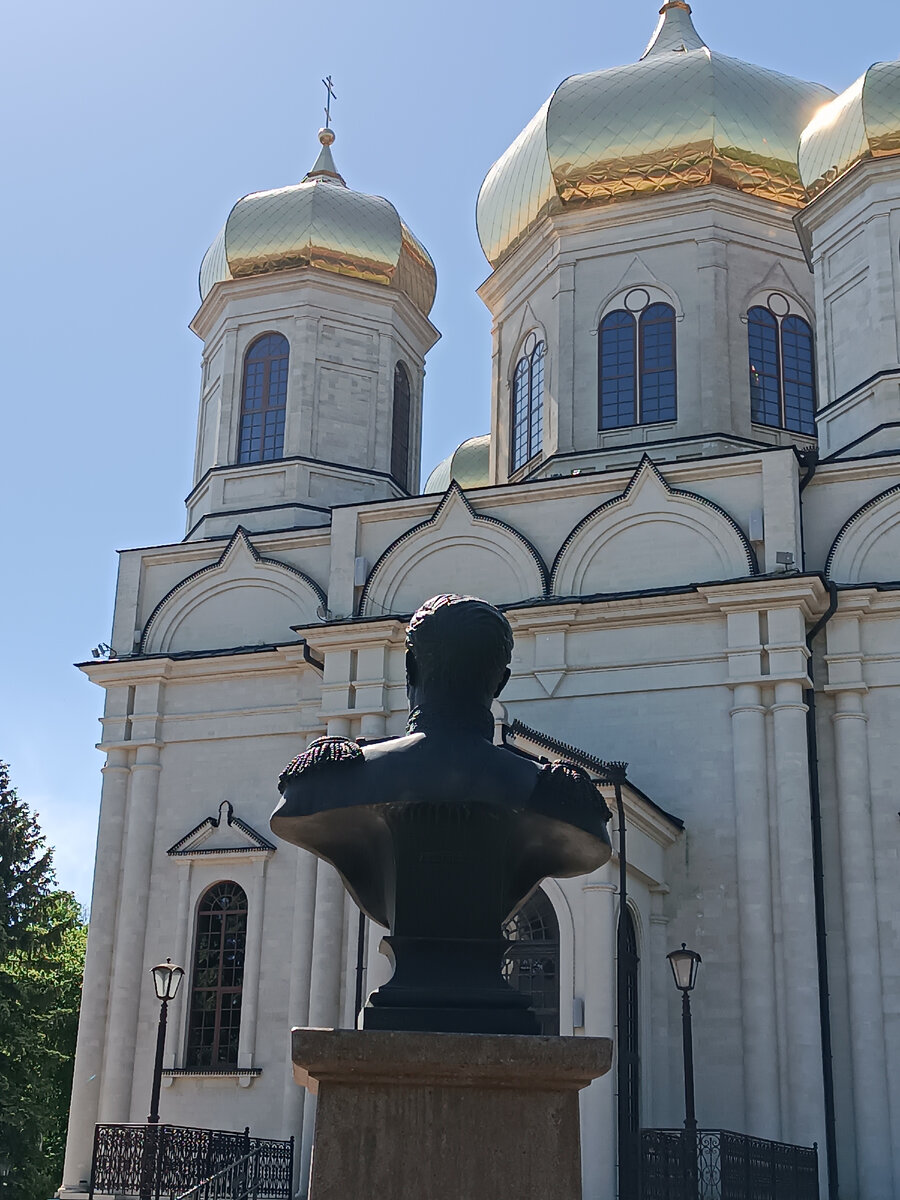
(353, 634)
(807, 592)
(856, 601)
(112, 671)
(213, 307)
(546, 617)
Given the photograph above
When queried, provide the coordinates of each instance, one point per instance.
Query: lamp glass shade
(166, 979)
(684, 964)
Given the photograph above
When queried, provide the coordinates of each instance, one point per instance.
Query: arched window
(528, 404)
(263, 399)
(400, 427)
(215, 1013)
(637, 366)
(782, 368)
(531, 963)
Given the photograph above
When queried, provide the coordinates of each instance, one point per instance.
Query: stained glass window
(531, 963)
(400, 428)
(263, 399)
(215, 1013)
(637, 367)
(528, 406)
(782, 371)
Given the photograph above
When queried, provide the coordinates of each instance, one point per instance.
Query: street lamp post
(166, 981)
(685, 964)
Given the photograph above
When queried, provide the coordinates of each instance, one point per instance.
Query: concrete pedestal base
(402, 1116)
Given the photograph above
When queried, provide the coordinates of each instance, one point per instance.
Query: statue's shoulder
(564, 783)
(324, 754)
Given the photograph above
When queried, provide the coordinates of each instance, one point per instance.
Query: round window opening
(637, 299)
(778, 304)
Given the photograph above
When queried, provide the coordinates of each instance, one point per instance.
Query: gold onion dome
(321, 223)
(682, 117)
(469, 465)
(863, 122)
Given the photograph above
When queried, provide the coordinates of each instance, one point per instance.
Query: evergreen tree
(42, 943)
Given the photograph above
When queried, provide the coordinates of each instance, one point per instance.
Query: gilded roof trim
(321, 223)
(862, 122)
(682, 117)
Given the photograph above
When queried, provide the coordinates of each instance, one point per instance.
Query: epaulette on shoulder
(323, 752)
(565, 783)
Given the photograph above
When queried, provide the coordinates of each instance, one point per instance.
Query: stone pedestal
(445, 1115)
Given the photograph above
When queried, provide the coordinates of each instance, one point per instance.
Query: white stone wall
(853, 232)
(709, 253)
(346, 337)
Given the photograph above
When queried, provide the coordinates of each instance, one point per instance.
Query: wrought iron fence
(715, 1164)
(167, 1161)
(239, 1181)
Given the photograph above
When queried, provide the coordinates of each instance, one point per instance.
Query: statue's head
(458, 648)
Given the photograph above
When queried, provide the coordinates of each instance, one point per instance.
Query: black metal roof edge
(226, 1071)
(836, 459)
(303, 458)
(176, 851)
(239, 512)
(187, 655)
(748, 446)
(887, 373)
(581, 757)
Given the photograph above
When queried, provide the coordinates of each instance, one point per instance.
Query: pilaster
(871, 1104)
(84, 1110)
(598, 1105)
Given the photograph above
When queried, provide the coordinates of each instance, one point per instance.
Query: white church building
(688, 506)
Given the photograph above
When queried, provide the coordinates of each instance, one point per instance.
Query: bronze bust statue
(440, 835)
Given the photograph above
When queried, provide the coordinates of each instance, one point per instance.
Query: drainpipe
(815, 809)
(810, 460)
(629, 1154)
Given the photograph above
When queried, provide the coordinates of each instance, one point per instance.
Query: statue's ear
(503, 682)
(412, 669)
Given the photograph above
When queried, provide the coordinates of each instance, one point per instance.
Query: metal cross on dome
(330, 95)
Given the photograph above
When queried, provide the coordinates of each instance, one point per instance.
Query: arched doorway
(531, 964)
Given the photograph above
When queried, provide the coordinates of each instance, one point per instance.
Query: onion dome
(682, 117)
(321, 223)
(469, 465)
(863, 122)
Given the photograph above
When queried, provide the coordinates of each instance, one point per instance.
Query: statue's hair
(460, 644)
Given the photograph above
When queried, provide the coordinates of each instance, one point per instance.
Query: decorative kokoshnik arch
(867, 549)
(651, 536)
(242, 599)
(455, 550)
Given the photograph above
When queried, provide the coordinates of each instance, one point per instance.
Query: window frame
(244, 456)
(538, 909)
(403, 444)
(781, 377)
(641, 373)
(195, 1051)
(530, 365)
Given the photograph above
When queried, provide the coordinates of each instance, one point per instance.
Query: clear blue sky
(129, 131)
